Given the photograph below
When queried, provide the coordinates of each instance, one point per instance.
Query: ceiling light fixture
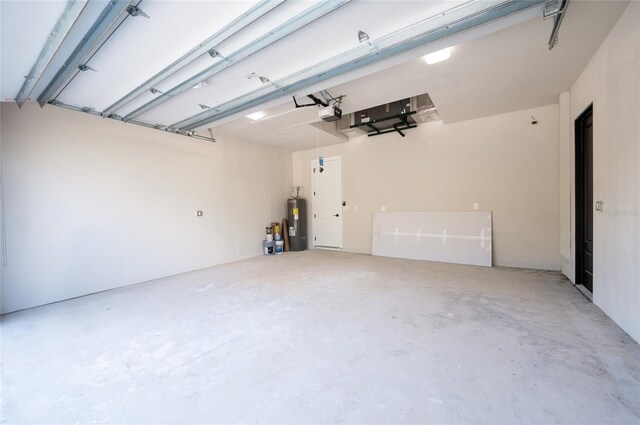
(199, 85)
(439, 56)
(256, 115)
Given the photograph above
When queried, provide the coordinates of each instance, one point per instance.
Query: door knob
(336, 215)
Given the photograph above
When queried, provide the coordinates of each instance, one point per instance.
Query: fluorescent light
(439, 56)
(200, 85)
(256, 115)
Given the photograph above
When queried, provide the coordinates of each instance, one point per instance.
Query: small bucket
(268, 247)
(279, 247)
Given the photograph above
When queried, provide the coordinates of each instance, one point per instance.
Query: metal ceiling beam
(557, 21)
(55, 39)
(113, 14)
(235, 26)
(283, 30)
(90, 111)
(462, 18)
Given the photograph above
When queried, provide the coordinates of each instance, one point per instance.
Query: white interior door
(327, 203)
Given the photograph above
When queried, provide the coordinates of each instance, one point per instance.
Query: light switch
(475, 205)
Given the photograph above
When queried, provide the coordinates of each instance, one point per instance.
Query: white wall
(502, 162)
(611, 81)
(94, 204)
(2, 240)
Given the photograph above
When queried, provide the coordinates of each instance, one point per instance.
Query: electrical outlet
(199, 213)
(475, 205)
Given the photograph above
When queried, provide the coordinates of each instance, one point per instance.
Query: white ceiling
(500, 67)
(329, 36)
(506, 70)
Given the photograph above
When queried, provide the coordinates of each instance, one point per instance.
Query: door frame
(579, 183)
(314, 161)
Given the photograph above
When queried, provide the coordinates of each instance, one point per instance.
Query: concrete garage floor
(323, 337)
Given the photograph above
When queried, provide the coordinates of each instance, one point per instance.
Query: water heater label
(292, 231)
(296, 211)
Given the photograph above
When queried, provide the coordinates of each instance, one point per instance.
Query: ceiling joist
(293, 24)
(205, 47)
(160, 127)
(113, 14)
(56, 37)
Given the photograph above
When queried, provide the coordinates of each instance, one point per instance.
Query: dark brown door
(584, 199)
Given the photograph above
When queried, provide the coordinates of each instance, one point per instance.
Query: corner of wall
(566, 185)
